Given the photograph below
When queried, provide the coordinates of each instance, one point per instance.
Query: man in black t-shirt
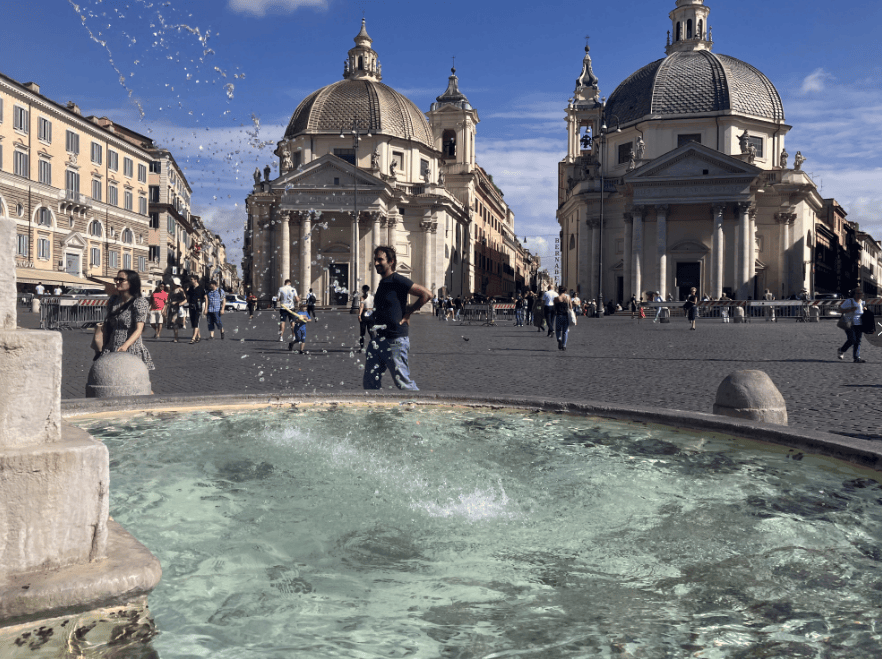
(390, 322)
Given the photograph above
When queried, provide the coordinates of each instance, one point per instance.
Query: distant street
(613, 360)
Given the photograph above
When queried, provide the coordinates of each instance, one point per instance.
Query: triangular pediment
(75, 240)
(692, 161)
(689, 246)
(328, 172)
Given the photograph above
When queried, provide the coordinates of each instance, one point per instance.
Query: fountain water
(64, 564)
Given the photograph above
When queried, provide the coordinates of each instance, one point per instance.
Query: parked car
(236, 303)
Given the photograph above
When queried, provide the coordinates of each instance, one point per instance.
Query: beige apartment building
(76, 189)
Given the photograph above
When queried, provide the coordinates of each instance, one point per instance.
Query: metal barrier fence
(760, 310)
(65, 313)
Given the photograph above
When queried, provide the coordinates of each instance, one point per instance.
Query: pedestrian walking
(39, 289)
(158, 300)
(563, 307)
(365, 311)
(275, 301)
(298, 330)
(215, 303)
(691, 307)
(632, 306)
(519, 312)
(251, 301)
(658, 312)
(196, 304)
(724, 310)
(176, 300)
(310, 304)
(548, 308)
(770, 310)
(127, 313)
(389, 350)
(288, 299)
(457, 307)
(852, 309)
(539, 312)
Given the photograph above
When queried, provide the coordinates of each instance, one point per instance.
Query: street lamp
(356, 132)
(601, 162)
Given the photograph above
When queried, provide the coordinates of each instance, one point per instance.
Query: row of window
(44, 253)
(21, 122)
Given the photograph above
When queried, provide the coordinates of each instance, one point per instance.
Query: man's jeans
(853, 335)
(385, 353)
(549, 319)
(519, 317)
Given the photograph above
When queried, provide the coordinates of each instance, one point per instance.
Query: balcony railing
(75, 197)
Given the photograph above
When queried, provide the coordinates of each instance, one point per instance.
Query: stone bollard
(751, 395)
(738, 315)
(665, 315)
(35, 304)
(814, 315)
(118, 374)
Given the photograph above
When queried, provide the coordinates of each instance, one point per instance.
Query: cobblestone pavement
(614, 359)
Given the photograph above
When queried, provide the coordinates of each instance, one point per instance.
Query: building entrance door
(72, 264)
(338, 287)
(688, 276)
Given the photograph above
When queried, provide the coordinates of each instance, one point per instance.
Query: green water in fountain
(447, 532)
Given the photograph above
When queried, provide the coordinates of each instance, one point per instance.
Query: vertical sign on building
(557, 261)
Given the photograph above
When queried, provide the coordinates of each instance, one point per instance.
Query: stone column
(744, 250)
(751, 270)
(284, 249)
(429, 228)
(661, 247)
(391, 221)
(354, 283)
(306, 254)
(571, 152)
(626, 271)
(718, 246)
(784, 220)
(375, 242)
(594, 224)
(637, 252)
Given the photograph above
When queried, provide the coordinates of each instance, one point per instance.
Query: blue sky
(217, 80)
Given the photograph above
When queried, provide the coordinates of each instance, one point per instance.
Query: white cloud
(259, 7)
(816, 81)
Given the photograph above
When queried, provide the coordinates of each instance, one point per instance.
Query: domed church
(682, 178)
(360, 166)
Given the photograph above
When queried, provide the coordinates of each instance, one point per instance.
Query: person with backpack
(851, 322)
(310, 305)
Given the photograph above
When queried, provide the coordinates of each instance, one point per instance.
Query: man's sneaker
(860, 361)
(281, 338)
(840, 354)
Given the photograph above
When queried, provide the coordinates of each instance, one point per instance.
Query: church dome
(373, 104)
(695, 82)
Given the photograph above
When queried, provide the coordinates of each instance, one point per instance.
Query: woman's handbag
(572, 315)
(843, 323)
(98, 338)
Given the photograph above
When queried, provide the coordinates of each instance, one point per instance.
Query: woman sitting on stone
(127, 313)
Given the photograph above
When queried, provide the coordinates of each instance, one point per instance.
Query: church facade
(360, 166)
(682, 179)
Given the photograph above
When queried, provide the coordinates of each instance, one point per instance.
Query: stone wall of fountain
(60, 554)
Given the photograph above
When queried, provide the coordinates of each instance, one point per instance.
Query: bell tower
(454, 125)
(689, 28)
(583, 111)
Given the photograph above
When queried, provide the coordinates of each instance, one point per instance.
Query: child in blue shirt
(299, 323)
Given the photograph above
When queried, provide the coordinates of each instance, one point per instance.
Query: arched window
(127, 236)
(448, 144)
(689, 29)
(679, 31)
(700, 29)
(95, 229)
(44, 217)
(360, 63)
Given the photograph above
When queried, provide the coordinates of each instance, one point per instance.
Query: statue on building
(375, 159)
(631, 161)
(266, 173)
(743, 142)
(256, 176)
(284, 153)
(784, 157)
(393, 167)
(441, 178)
(570, 182)
(798, 159)
(427, 176)
(751, 153)
(346, 67)
(641, 148)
